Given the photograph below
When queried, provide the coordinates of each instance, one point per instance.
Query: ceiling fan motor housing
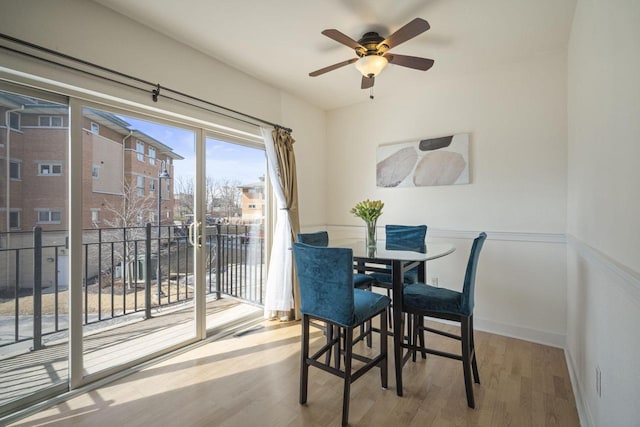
(370, 42)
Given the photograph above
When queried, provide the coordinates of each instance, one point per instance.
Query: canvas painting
(434, 161)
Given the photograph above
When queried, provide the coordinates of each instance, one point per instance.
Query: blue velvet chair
(420, 300)
(327, 294)
(321, 238)
(402, 237)
(360, 281)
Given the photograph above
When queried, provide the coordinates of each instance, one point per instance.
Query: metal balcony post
(37, 288)
(147, 275)
(218, 260)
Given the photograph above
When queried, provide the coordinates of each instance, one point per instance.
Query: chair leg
(329, 335)
(365, 331)
(304, 355)
(420, 327)
(474, 364)
(384, 367)
(390, 315)
(466, 359)
(348, 350)
(337, 346)
(369, 327)
(412, 333)
(398, 352)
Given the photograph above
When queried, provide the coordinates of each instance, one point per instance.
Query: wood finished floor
(252, 380)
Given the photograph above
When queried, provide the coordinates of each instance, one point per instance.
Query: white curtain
(279, 292)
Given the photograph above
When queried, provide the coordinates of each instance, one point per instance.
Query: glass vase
(371, 234)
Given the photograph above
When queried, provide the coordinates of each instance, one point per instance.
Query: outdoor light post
(162, 174)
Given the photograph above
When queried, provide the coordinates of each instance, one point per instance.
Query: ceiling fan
(372, 51)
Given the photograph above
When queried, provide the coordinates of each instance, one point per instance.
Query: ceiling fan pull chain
(371, 93)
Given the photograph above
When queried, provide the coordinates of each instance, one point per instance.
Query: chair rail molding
(629, 279)
(515, 236)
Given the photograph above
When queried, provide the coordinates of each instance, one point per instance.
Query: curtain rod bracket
(155, 93)
(287, 130)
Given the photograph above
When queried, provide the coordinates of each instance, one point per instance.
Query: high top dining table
(399, 260)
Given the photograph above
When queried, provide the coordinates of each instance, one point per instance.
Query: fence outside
(125, 271)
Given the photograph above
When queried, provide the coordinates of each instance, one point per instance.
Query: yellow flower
(368, 210)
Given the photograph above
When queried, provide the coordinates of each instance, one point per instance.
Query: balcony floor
(33, 372)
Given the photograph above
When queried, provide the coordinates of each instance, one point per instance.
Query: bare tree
(129, 215)
(184, 195)
(224, 195)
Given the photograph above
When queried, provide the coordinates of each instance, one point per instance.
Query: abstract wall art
(434, 161)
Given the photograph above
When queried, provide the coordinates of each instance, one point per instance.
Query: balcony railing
(120, 274)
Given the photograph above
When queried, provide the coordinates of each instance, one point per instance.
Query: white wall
(603, 209)
(96, 34)
(516, 115)
(310, 154)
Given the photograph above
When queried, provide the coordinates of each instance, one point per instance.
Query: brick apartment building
(121, 166)
(120, 183)
(253, 202)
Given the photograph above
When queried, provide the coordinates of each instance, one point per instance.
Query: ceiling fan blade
(332, 67)
(409, 31)
(342, 38)
(367, 82)
(414, 62)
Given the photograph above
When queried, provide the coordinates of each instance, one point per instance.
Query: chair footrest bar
(328, 346)
(430, 351)
(372, 364)
(443, 333)
(326, 368)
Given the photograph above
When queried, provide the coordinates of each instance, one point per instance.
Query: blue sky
(225, 161)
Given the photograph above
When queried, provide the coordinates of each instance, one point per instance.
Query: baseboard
(578, 392)
(520, 332)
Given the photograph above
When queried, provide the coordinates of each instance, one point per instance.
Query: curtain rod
(155, 92)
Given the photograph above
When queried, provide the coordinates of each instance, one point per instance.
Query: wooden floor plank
(252, 379)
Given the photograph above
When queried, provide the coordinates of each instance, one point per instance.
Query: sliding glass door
(138, 275)
(122, 237)
(235, 217)
(34, 279)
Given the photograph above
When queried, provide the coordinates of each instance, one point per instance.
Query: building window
(14, 120)
(140, 150)
(252, 206)
(95, 128)
(14, 220)
(15, 170)
(152, 185)
(140, 185)
(95, 215)
(49, 216)
(152, 156)
(50, 169)
(95, 171)
(50, 121)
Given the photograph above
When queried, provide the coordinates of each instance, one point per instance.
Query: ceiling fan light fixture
(371, 65)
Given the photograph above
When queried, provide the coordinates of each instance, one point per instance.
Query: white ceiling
(279, 41)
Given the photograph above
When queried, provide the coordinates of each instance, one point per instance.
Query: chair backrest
(470, 274)
(408, 237)
(319, 238)
(326, 282)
